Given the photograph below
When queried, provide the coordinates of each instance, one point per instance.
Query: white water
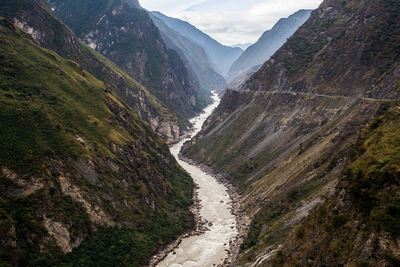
(210, 248)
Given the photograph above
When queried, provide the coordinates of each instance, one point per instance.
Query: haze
(230, 21)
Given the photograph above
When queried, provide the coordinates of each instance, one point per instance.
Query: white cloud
(230, 21)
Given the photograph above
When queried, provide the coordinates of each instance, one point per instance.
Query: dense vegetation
(38, 91)
(56, 115)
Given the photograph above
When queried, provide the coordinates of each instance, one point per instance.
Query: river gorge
(212, 247)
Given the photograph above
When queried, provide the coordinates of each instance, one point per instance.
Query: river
(211, 247)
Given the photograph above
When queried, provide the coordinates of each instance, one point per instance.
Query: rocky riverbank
(199, 228)
(242, 221)
(203, 228)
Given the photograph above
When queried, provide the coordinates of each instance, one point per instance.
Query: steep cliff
(37, 19)
(194, 55)
(268, 44)
(126, 35)
(80, 173)
(284, 137)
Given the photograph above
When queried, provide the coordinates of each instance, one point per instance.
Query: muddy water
(209, 248)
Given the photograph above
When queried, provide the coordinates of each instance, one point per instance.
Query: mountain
(194, 56)
(285, 138)
(242, 46)
(268, 43)
(220, 56)
(83, 180)
(36, 18)
(125, 34)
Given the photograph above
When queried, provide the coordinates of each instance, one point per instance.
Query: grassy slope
(363, 229)
(47, 102)
(59, 38)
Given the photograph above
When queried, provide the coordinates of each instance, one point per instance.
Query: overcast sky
(230, 21)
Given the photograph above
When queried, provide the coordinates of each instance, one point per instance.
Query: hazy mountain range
(193, 54)
(242, 46)
(268, 43)
(220, 56)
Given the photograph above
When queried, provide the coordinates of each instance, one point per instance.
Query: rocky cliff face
(283, 138)
(80, 172)
(36, 18)
(127, 36)
(268, 44)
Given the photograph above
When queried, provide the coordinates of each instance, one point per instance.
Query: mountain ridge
(52, 34)
(193, 54)
(284, 137)
(220, 56)
(128, 37)
(78, 168)
(269, 42)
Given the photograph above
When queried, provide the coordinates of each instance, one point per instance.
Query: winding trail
(209, 248)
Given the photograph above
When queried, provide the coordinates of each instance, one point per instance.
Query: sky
(230, 21)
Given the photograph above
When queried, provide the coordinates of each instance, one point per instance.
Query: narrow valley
(209, 247)
(199, 133)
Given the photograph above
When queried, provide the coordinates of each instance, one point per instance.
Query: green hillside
(75, 158)
(49, 32)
